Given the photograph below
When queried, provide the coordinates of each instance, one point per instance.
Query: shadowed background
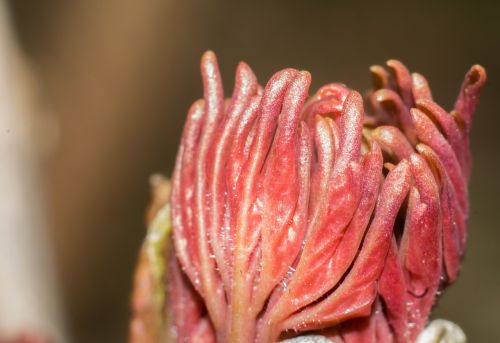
(119, 77)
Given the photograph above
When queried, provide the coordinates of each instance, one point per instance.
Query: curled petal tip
(305, 76)
(403, 81)
(416, 160)
(398, 68)
(420, 87)
(208, 63)
(208, 55)
(476, 75)
(380, 77)
(391, 103)
(393, 141)
(245, 70)
(301, 84)
(305, 72)
(433, 161)
(394, 63)
(243, 65)
(468, 98)
(355, 97)
(387, 98)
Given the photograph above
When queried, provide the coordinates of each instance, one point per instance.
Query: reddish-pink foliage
(293, 214)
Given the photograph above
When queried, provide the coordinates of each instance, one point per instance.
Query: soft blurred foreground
(114, 80)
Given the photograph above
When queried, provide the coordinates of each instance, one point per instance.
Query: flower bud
(293, 215)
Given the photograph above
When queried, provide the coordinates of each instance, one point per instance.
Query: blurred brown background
(120, 75)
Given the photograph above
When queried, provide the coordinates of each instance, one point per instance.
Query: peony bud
(294, 215)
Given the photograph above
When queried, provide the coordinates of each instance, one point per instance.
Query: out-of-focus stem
(28, 293)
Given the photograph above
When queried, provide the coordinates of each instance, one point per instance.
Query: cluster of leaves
(295, 215)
